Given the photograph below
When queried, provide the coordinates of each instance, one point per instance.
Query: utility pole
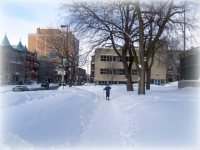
(184, 29)
(67, 59)
(87, 71)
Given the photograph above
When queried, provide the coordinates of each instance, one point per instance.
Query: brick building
(43, 39)
(51, 44)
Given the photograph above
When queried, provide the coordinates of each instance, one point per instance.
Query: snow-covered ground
(80, 118)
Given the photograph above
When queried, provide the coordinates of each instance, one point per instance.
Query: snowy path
(80, 118)
(110, 127)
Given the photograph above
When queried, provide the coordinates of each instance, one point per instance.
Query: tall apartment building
(43, 39)
(106, 59)
(48, 41)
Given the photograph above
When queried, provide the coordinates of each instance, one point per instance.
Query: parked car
(62, 83)
(20, 88)
(44, 84)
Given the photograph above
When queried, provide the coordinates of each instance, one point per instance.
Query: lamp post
(65, 26)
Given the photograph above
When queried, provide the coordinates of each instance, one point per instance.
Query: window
(119, 72)
(112, 82)
(151, 81)
(108, 71)
(156, 82)
(117, 58)
(102, 82)
(105, 71)
(103, 58)
(122, 82)
(162, 81)
(134, 72)
(109, 58)
(102, 71)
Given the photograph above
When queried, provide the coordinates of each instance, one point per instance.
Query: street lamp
(65, 26)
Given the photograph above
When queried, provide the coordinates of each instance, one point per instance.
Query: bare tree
(127, 23)
(66, 47)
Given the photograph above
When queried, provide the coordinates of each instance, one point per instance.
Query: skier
(107, 88)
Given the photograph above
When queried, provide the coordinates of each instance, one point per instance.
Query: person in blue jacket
(107, 88)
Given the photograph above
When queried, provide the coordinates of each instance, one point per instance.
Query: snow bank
(9, 87)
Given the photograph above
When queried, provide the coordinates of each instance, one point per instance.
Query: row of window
(116, 71)
(110, 82)
(152, 81)
(113, 58)
(157, 81)
(15, 67)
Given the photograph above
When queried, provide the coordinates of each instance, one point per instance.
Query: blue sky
(18, 18)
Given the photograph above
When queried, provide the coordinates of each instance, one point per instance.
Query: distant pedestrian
(107, 88)
(47, 85)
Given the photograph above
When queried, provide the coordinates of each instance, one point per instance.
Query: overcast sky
(20, 17)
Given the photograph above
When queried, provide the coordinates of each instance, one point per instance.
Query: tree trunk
(66, 78)
(141, 89)
(148, 76)
(129, 85)
(128, 76)
(70, 82)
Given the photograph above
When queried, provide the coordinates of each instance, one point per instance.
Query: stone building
(15, 65)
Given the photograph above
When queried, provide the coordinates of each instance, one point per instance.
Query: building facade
(107, 68)
(46, 71)
(14, 66)
(32, 66)
(50, 44)
(190, 68)
(81, 75)
(173, 65)
(55, 66)
(43, 39)
(190, 64)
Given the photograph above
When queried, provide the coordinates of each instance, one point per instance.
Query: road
(44, 88)
(34, 89)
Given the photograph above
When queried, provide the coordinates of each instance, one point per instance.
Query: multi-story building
(92, 65)
(173, 65)
(46, 71)
(15, 66)
(190, 68)
(32, 66)
(51, 43)
(105, 60)
(81, 75)
(56, 67)
(43, 39)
